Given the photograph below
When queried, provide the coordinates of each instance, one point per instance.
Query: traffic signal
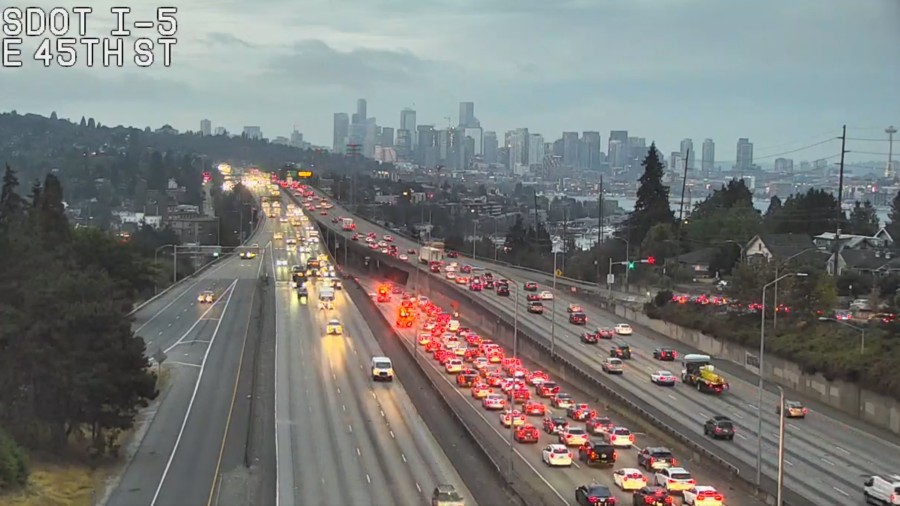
(631, 265)
(651, 260)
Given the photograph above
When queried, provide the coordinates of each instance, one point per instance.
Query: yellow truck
(698, 371)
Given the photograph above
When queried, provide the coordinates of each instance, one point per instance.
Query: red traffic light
(651, 260)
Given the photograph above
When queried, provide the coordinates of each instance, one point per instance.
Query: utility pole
(565, 233)
(683, 187)
(840, 198)
(600, 233)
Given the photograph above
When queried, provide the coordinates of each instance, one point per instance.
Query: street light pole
(861, 330)
(515, 355)
(553, 312)
(474, 233)
(777, 266)
(779, 497)
(762, 352)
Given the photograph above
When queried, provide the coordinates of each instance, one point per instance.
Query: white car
(573, 436)
(403, 257)
(454, 366)
(515, 418)
(451, 275)
(556, 455)
(545, 295)
(703, 496)
(494, 401)
(388, 238)
(629, 478)
(620, 437)
(334, 327)
(663, 378)
(675, 479)
(206, 296)
(281, 262)
(624, 329)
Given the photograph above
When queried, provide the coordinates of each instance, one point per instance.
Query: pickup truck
(446, 495)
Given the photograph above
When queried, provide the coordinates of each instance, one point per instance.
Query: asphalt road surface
(825, 454)
(341, 438)
(179, 458)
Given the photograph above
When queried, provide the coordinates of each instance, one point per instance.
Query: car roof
(630, 470)
(673, 470)
(334, 321)
(658, 449)
(721, 418)
(557, 446)
(705, 488)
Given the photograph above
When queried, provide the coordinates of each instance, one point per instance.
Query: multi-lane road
(825, 455)
(341, 438)
(562, 482)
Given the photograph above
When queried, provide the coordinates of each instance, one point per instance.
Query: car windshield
(725, 425)
(560, 451)
(380, 364)
(576, 431)
(334, 322)
(598, 490)
(622, 432)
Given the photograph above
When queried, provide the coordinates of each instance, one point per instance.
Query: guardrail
(200, 270)
(572, 368)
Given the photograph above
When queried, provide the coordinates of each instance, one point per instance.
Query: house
(765, 247)
(881, 262)
(698, 262)
(881, 240)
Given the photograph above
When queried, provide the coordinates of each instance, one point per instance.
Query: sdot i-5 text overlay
(83, 37)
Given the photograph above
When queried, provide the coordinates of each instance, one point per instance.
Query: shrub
(13, 463)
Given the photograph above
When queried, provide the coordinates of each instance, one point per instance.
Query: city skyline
(811, 72)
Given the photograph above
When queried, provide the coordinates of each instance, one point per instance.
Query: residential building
(221, 131)
(708, 158)
(205, 127)
(784, 247)
(688, 153)
(744, 156)
(192, 228)
(253, 132)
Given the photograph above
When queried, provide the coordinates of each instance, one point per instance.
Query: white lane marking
(187, 413)
(343, 407)
(418, 487)
(350, 427)
(192, 327)
(368, 479)
(358, 454)
(838, 448)
(738, 416)
(788, 462)
(182, 363)
(839, 491)
(402, 456)
(738, 434)
(339, 389)
(830, 463)
(392, 434)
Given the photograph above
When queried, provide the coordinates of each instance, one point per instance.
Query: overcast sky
(785, 73)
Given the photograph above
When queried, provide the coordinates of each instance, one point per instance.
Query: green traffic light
(631, 265)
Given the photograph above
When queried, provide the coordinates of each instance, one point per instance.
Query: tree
(810, 213)
(893, 223)
(652, 204)
(83, 122)
(815, 291)
(660, 242)
(53, 116)
(737, 224)
(863, 219)
(773, 212)
(733, 194)
(11, 204)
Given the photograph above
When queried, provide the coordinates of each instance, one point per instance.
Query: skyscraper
(341, 132)
(688, 153)
(590, 154)
(744, 158)
(570, 149)
(708, 158)
(622, 150)
(386, 139)
(360, 116)
(517, 141)
(205, 127)
(408, 122)
(535, 149)
(467, 114)
(490, 147)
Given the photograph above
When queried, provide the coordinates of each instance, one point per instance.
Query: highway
(342, 438)
(561, 481)
(825, 457)
(180, 456)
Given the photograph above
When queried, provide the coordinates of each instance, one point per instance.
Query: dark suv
(620, 350)
(653, 458)
(653, 496)
(578, 319)
(597, 453)
(719, 427)
(594, 495)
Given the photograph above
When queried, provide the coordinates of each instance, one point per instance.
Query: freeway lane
(820, 450)
(343, 439)
(562, 482)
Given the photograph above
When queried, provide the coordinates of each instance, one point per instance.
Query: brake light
(593, 500)
(670, 481)
(692, 482)
(674, 462)
(631, 438)
(652, 460)
(720, 498)
(615, 454)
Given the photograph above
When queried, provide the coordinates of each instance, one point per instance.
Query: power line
(796, 150)
(867, 139)
(867, 153)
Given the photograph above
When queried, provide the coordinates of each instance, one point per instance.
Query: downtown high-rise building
(744, 155)
(467, 114)
(341, 132)
(490, 147)
(360, 117)
(517, 143)
(708, 158)
(535, 149)
(591, 150)
(427, 147)
(619, 150)
(570, 149)
(688, 153)
(205, 127)
(386, 137)
(408, 123)
(784, 166)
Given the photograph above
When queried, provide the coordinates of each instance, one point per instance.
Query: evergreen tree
(83, 122)
(652, 205)
(10, 202)
(53, 116)
(893, 224)
(863, 219)
(91, 123)
(733, 194)
(52, 224)
(811, 213)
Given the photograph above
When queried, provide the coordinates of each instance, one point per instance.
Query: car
(396, 289)
(547, 389)
(446, 495)
(382, 369)
(388, 238)
(556, 455)
(555, 424)
(703, 495)
(527, 434)
(594, 495)
(206, 297)
(663, 378)
(597, 453)
(494, 401)
(562, 400)
(536, 307)
(535, 378)
(623, 329)
(792, 409)
(653, 495)
(530, 286)
(665, 354)
(675, 479)
(599, 425)
(589, 338)
(574, 308)
(573, 436)
(719, 427)
(629, 478)
(620, 350)
(545, 295)
(532, 297)
(580, 412)
(653, 458)
(403, 257)
(533, 408)
(578, 319)
(481, 390)
(606, 333)
(519, 395)
(466, 378)
(334, 327)
(620, 437)
(612, 365)
(291, 241)
(513, 418)
(247, 255)
(281, 262)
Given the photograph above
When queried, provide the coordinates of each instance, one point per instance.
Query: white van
(452, 325)
(882, 490)
(326, 298)
(382, 369)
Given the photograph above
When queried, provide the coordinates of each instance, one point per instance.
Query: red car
(519, 395)
(589, 338)
(533, 297)
(606, 333)
(537, 377)
(547, 389)
(535, 409)
(530, 286)
(527, 434)
(599, 425)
